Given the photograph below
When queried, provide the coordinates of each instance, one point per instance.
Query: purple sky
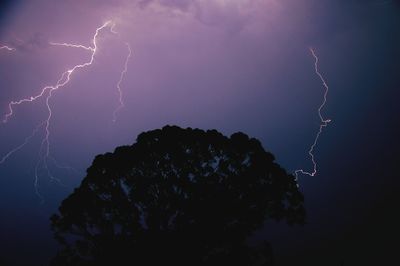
(210, 64)
(232, 65)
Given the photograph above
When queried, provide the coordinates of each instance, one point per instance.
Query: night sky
(230, 65)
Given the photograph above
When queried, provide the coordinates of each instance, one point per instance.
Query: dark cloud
(179, 4)
(35, 42)
(6, 8)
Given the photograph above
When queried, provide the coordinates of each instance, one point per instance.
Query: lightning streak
(323, 124)
(64, 79)
(47, 93)
(73, 46)
(121, 101)
(5, 157)
(8, 48)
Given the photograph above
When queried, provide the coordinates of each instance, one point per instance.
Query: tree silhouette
(179, 197)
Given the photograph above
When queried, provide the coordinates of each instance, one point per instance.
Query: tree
(179, 196)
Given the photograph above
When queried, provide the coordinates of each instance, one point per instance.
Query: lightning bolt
(47, 93)
(8, 48)
(5, 157)
(121, 78)
(64, 79)
(323, 122)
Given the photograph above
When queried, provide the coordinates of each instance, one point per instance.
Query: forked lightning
(47, 93)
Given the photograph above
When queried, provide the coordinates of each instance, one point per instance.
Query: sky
(237, 65)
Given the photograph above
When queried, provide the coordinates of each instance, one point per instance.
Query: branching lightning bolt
(324, 122)
(47, 93)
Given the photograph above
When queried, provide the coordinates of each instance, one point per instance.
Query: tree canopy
(176, 196)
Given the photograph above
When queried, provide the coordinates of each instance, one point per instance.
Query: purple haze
(232, 65)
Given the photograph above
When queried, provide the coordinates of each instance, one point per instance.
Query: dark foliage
(179, 197)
